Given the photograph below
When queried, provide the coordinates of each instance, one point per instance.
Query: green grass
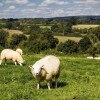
(79, 80)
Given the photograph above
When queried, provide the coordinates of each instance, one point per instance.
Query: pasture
(65, 38)
(82, 26)
(11, 32)
(79, 80)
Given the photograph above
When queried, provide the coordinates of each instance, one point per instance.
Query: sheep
(19, 51)
(97, 58)
(9, 54)
(46, 69)
(90, 57)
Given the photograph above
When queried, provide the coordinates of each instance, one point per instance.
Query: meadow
(79, 80)
(82, 26)
(65, 38)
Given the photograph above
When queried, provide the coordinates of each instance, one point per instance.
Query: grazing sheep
(97, 58)
(9, 54)
(45, 69)
(19, 51)
(90, 57)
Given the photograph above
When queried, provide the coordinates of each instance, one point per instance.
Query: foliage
(69, 46)
(96, 31)
(92, 51)
(73, 20)
(98, 48)
(68, 28)
(84, 44)
(42, 40)
(3, 38)
(54, 28)
(17, 39)
(9, 25)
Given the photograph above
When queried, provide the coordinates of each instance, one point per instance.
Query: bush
(92, 51)
(84, 44)
(39, 41)
(3, 38)
(69, 46)
(17, 39)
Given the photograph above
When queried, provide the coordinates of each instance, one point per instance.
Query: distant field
(13, 31)
(64, 38)
(84, 26)
(49, 27)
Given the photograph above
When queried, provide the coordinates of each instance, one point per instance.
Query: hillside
(79, 80)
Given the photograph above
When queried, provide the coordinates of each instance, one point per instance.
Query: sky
(48, 8)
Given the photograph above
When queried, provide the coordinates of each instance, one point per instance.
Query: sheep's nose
(37, 74)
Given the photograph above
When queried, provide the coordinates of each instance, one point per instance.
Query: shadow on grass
(60, 84)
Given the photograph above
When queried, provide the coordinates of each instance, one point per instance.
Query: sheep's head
(36, 70)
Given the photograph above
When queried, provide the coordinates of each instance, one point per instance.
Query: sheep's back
(50, 63)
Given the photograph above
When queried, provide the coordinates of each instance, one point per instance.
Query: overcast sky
(48, 8)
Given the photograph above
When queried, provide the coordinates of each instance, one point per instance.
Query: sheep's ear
(44, 69)
(30, 66)
(42, 66)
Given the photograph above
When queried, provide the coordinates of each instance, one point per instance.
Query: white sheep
(9, 54)
(45, 69)
(19, 51)
(90, 57)
(97, 58)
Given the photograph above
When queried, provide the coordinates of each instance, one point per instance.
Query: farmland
(65, 38)
(82, 26)
(79, 80)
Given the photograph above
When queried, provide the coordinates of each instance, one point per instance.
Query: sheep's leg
(20, 64)
(48, 84)
(56, 83)
(5, 61)
(15, 63)
(38, 86)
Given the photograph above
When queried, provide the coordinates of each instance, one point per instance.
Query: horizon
(48, 8)
(54, 17)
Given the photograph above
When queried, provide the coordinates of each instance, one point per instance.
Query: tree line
(38, 39)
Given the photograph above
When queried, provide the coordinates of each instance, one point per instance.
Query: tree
(73, 20)
(54, 28)
(17, 39)
(96, 31)
(69, 46)
(84, 44)
(9, 25)
(94, 42)
(39, 41)
(3, 38)
(68, 28)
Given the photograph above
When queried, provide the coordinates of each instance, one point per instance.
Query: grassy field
(84, 26)
(79, 80)
(49, 27)
(64, 38)
(11, 32)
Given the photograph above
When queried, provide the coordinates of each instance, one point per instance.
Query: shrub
(69, 46)
(84, 44)
(92, 51)
(17, 39)
(3, 38)
(39, 41)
